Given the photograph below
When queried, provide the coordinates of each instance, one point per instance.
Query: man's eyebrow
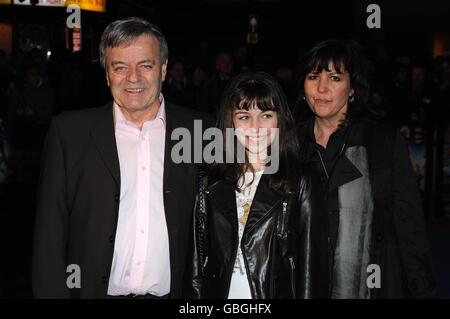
(147, 61)
(113, 63)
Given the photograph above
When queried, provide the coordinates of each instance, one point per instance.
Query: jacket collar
(265, 199)
(222, 193)
(345, 171)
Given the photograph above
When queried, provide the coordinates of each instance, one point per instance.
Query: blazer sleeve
(410, 225)
(51, 222)
(313, 253)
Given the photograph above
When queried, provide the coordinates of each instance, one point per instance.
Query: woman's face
(327, 93)
(254, 128)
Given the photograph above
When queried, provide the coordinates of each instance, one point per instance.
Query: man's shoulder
(78, 124)
(187, 115)
(85, 115)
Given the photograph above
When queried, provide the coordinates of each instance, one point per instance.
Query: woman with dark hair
(378, 246)
(258, 232)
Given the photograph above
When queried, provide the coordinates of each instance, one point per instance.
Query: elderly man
(114, 209)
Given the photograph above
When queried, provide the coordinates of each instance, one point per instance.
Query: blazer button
(334, 212)
(105, 279)
(111, 239)
(116, 197)
(379, 238)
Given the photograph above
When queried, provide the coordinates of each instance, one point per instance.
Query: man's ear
(107, 78)
(163, 71)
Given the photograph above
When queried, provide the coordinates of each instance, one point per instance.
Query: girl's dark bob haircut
(260, 90)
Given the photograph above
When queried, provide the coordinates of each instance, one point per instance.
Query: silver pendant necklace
(322, 162)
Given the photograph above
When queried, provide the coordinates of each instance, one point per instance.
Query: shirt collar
(119, 118)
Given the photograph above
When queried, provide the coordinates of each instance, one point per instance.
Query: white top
(240, 288)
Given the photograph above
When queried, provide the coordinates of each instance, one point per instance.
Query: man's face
(135, 74)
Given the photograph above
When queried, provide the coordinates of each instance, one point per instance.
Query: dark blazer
(399, 242)
(78, 202)
(283, 242)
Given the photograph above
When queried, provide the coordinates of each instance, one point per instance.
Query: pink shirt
(141, 262)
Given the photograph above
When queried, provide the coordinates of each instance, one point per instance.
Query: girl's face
(254, 129)
(327, 93)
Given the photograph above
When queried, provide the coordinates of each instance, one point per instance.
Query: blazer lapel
(171, 173)
(169, 166)
(105, 140)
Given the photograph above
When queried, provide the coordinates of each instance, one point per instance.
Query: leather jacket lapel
(265, 199)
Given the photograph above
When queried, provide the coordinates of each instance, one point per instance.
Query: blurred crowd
(411, 92)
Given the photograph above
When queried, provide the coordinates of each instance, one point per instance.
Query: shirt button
(142, 231)
(138, 263)
(143, 168)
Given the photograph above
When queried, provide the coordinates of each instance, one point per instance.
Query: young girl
(258, 232)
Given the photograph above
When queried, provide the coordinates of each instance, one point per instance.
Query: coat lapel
(265, 199)
(346, 172)
(222, 194)
(105, 140)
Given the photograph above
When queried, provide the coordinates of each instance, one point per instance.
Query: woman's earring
(351, 99)
(304, 98)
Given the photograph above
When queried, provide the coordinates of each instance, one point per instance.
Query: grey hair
(125, 31)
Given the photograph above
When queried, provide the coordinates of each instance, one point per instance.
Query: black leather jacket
(284, 243)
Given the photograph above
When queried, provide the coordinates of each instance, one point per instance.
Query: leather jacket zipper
(283, 219)
(292, 268)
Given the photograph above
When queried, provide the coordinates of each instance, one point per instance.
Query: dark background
(413, 34)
